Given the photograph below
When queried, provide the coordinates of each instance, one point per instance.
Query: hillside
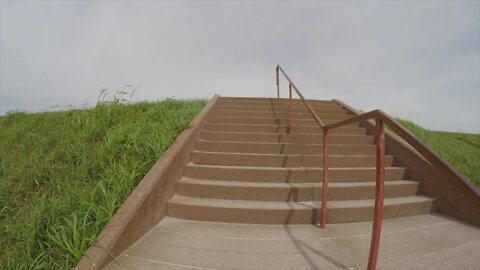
(64, 174)
(461, 150)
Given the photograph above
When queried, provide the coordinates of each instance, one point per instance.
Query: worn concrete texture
(420, 242)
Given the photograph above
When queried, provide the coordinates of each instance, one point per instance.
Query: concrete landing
(419, 242)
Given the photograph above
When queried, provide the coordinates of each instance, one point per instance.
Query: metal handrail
(437, 161)
(381, 118)
(380, 177)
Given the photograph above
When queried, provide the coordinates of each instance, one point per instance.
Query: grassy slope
(461, 150)
(64, 174)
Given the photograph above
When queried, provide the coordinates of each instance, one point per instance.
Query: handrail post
(379, 195)
(278, 82)
(325, 179)
(290, 108)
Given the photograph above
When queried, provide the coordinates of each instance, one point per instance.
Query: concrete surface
(420, 242)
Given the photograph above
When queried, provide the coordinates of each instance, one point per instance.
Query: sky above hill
(418, 60)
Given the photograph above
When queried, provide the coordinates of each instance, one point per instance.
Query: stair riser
(389, 211)
(256, 99)
(359, 193)
(278, 115)
(290, 194)
(283, 102)
(251, 216)
(284, 161)
(274, 148)
(280, 105)
(292, 216)
(278, 109)
(306, 120)
(280, 129)
(284, 138)
(286, 176)
(273, 121)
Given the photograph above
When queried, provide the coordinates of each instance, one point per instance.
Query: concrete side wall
(146, 205)
(453, 197)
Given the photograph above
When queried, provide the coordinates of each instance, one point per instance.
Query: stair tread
(284, 133)
(273, 99)
(275, 125)
(285, 168)
(277, 106)
(281, 155)
(207, 182)
(285, 143)
(243, 108)
(283, 106)
(280, 205)
(276, 118)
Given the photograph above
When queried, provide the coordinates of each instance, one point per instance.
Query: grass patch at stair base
(64, 174)
(461, 150)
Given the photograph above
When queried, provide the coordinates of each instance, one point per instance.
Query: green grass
(461, 150)
(64, 174)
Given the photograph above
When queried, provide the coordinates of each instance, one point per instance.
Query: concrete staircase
(247, 168)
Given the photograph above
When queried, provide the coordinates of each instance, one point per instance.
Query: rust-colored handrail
(380, 171)
(380, 177)
(290, 86)
(437, 161)
(381, 119)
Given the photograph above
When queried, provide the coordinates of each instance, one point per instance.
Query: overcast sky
(419, 60)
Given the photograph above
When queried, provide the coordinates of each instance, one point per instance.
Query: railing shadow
(306, 250)
(292, 198)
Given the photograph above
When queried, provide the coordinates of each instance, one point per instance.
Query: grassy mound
(461, 150)
(64, 174)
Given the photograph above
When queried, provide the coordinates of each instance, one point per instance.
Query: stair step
(283, 100)
(260, 191)
(230, 117)
(283, 148)
(278, 160)
(271, 114)
(263, 212)
(276, 100)
(277, 109)
(280, 174)
(276, 121)
(306, 138)
(281, 105)
(280, 129)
